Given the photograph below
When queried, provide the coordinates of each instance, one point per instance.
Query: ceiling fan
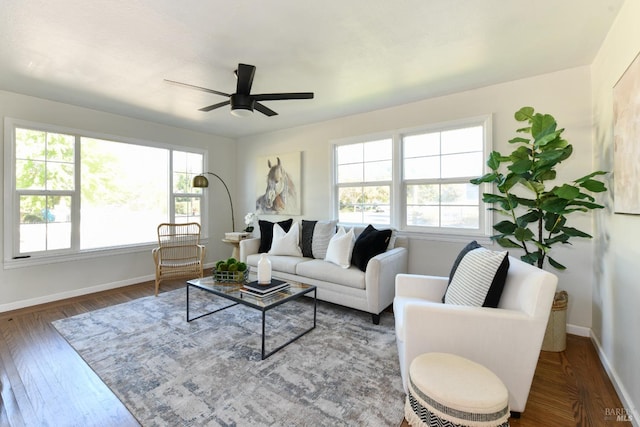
(243, 102)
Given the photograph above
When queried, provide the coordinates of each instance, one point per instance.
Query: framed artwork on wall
(626, 140)
(278, 184)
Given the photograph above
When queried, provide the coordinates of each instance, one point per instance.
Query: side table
(236, 247)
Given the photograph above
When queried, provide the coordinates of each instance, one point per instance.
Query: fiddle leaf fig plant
(537, 215)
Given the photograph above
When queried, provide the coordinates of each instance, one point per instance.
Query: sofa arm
(380, 277)
(430, 288)
(249, 247)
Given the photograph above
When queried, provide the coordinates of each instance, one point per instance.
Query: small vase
(264, 270)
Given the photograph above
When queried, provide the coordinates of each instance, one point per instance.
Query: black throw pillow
(369, 243)
(266, 232)
(307, 237)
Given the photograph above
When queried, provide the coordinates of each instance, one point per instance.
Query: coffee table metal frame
(232, 292)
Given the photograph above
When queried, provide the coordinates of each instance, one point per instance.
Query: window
(437, 167)
(364, 176)
(415, 180)
(73, 192)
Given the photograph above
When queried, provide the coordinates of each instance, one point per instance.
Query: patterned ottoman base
(449, 390)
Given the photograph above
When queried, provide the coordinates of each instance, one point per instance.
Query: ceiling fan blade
(264, 110)
(279, 96)
(214, 106)
(204, 89)
(245, 75)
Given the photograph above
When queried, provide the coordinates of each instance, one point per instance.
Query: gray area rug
(208, 372)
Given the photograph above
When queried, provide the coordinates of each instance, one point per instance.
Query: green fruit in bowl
(219, 263)
(231, 261)
(232, 267)
(223, 267)
(242, 266)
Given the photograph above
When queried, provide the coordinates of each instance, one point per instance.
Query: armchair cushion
(479, 279)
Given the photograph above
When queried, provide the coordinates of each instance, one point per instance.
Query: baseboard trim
(578, 330)
(632, 413)
(73, 293)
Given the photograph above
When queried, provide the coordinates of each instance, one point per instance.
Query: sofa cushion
(322, 234)
(279, 263)
(306, 238)
(266, 232)
(340, 248)
(328, 272)
(369, 243)
(286, 243)
(479, 279)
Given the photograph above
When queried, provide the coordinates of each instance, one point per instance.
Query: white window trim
(398, 207)
(74, 254)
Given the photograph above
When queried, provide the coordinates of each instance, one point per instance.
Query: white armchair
(507, 339)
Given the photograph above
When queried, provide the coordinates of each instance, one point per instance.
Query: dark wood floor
(43, 381)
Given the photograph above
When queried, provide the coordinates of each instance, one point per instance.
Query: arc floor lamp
(201, 181)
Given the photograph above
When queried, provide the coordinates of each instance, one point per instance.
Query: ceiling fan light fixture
(241, 112)
(241, 105)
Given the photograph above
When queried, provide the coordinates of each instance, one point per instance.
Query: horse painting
(280, 195)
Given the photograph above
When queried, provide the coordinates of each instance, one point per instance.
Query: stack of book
(261, 291)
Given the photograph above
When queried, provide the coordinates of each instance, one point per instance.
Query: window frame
(398, 200)
(13, 258)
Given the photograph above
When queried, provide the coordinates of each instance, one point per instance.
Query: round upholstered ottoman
(445, 389)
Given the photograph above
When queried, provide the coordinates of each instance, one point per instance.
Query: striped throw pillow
(479, 279)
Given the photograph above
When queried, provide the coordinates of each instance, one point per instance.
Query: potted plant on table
(537, 215)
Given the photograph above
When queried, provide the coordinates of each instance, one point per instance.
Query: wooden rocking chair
(179, 253)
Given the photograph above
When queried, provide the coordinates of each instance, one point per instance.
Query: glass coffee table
(232, 293)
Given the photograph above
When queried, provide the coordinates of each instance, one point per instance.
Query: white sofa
(371, 291)
(507, 339)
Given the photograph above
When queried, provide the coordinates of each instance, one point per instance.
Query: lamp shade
(200, 181)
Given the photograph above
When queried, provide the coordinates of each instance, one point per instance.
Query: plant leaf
(554, 204)
(520, 166)
(593, 185)
(591, 175)
(560, 238)
(531, 216)
(544, 140)
(508, 243)
(574, 232)
(542, 125)
(556, 264)
(494, 160)
(567, 192)
(519, 139)
(505, 227)
(488, 177)
(523, 114)
(587, 205)
(523, 234)
(531, 258)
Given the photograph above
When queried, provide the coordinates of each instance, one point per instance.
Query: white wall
(564, 94)
(21, 287)
(616, 315)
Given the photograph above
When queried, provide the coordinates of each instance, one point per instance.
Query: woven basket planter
(231, 276)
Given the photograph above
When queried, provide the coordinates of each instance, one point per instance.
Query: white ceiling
(356, 55)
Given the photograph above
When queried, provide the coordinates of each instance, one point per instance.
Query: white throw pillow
(340, 248)
(286, 243)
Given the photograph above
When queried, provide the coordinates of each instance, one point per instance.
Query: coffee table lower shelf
(232, 293)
